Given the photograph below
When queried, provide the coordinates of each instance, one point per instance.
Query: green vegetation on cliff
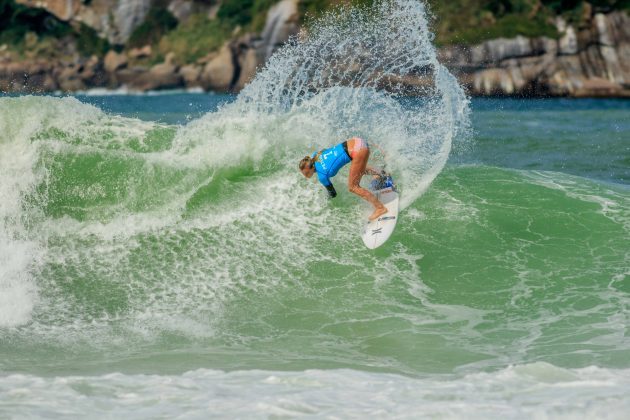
(89, 43)
(194, 38)
(35, 32)
(245, 13)
(198, 35)
(158, 22)
(17, 20)
(472, 21)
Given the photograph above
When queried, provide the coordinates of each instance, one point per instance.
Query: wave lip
(348, 71)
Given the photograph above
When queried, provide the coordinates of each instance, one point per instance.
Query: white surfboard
(377, 232)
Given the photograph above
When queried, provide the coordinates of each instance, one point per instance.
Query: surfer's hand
(332, 193)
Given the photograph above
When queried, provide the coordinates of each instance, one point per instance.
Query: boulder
(565, 77)
(501, 49)
(543, 46)
(624, 53)
(42, 82)
(207, 58)
(596, 86)
(493, 82)
(27, 76)
(519, 82)
(143, 52)
(568, 43)
(190, 75)
(69, 79)
(160, 76)
(169, 58)
(218, 74)
(128, 76)
(17, 69)
(613, 70)
(34, 76)
(248, 62)
(530, 68)
(619, 24)
(478, 55)
(114, 61)
(87, 69)
(456, 57)
(497, 50)
(602, 30)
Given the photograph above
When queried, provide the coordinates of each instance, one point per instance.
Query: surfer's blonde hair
(306, 162)
(309, 162)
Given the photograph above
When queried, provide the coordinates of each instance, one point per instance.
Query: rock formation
(282, 23)
(590, 61)
(114, 20)
(219, 73)
(250, 51)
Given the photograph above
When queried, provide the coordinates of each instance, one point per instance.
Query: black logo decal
(376, 231)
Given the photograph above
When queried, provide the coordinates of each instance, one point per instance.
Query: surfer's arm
(325, 181)
(331, 190)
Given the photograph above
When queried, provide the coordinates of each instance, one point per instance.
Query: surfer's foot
(378, 213)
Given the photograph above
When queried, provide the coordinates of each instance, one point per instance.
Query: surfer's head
(307, 166)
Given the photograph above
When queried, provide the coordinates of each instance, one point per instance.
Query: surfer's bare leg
(357, 169)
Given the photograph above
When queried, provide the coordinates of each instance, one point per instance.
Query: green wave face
(145, 256)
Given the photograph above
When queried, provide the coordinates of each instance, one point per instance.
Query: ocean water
(160, 255)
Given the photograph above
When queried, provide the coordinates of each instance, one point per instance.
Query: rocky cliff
(590, 60)
(112, 19)
(227, 69)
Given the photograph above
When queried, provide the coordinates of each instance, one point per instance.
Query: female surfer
(327, 163)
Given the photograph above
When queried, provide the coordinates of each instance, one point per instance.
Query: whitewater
(161, 256)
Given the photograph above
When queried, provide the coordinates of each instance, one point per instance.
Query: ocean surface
(161, 256)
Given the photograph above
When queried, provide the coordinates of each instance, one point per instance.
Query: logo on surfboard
(376, 232)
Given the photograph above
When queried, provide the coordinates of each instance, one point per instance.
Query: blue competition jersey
(329, 163)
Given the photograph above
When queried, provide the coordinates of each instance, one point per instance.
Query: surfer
(327, 163)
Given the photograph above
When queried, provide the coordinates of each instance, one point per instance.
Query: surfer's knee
(354, 188)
